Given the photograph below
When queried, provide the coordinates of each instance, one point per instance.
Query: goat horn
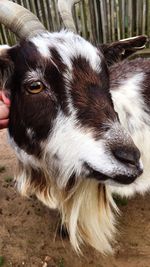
(19, 20)
(65, 9)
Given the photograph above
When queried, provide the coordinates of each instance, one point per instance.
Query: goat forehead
(69, 46)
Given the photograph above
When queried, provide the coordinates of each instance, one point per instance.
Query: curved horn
(19, 20)
(65, 9)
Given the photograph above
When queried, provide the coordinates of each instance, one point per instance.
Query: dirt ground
(28, 229)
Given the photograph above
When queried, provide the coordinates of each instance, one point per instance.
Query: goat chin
(87, 210)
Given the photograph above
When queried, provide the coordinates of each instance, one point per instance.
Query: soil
(28, 229)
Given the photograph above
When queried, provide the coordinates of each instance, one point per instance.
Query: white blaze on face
(69, 46)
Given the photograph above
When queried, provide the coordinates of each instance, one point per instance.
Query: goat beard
(87, 210)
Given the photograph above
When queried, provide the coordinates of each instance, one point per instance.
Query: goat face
(62, 114)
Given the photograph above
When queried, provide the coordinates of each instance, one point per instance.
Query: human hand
(4, 110)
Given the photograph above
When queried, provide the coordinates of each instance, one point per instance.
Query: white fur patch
(30, 133)
(130, 38)
(42, 45)
(69, 46)
(127, 99)
(34, 75)
(26, 159)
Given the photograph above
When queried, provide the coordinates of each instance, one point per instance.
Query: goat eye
(35, 87)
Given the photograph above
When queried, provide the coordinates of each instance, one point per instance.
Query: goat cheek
(30, 122)
(40, 119)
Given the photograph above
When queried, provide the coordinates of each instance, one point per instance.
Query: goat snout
(130, 157)
(125, 156)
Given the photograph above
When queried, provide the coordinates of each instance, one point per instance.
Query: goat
(75, 111)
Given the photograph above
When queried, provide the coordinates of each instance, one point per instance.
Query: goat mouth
(121, 179)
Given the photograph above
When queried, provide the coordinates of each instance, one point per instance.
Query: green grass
(120, 201)
(61, 263)
(1, 261)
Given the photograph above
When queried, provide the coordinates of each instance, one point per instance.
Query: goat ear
(5, 64)
(122, 49)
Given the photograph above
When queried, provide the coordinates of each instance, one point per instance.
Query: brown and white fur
(74, 139)
(130, 90)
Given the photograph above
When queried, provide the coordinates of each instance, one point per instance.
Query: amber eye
(35, 87)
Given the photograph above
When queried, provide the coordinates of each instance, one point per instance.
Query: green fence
(96, 20)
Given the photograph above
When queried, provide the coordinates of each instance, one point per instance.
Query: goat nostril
(125, 155)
